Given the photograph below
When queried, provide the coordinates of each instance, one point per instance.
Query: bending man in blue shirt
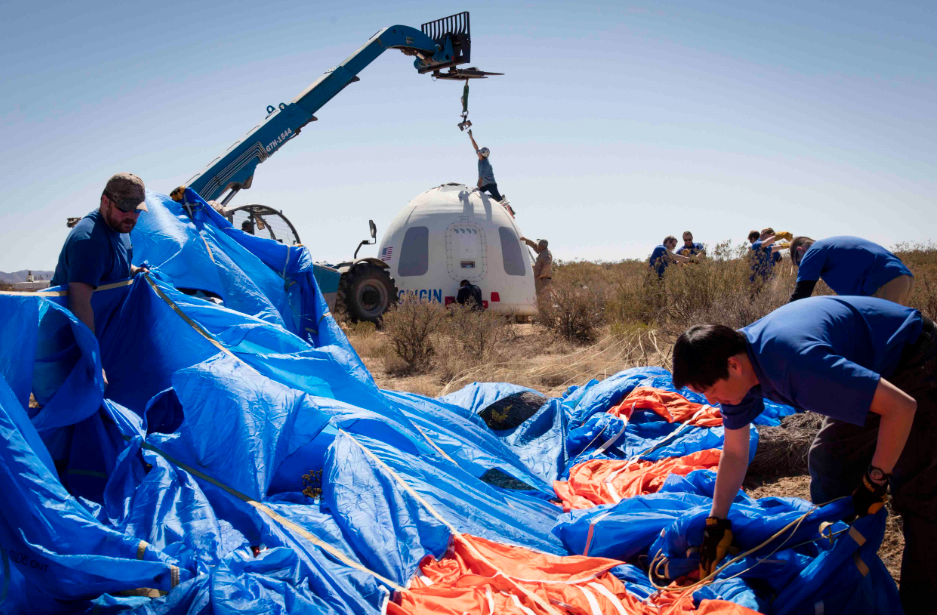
(850, 266)
(98, 249)
(663, 255)
(869, 366)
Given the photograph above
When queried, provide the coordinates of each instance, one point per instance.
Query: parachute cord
(794, 525)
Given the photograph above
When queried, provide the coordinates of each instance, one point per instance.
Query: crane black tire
(365, 292)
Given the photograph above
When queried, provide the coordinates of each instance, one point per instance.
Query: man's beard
(121, 226)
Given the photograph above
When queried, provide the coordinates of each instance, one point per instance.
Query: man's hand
(134, 270)
(104, 376)
(717, 538)
(869, 496)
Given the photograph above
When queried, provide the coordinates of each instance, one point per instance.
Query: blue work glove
(869, 497)
(717, 538)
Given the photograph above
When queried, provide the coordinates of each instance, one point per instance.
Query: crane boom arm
(234, 170)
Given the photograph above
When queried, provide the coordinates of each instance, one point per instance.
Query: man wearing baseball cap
(98, 249)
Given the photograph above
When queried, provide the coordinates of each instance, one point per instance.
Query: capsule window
(414, 253)
(511, 252)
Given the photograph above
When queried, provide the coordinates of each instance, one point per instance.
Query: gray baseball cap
(127, 192)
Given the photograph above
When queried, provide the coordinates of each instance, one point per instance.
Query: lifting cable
(465, 123)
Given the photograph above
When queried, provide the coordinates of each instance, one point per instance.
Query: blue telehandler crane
(364, 286)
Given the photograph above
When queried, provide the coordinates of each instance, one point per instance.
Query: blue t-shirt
(763, 260)
(485, 172)
(659, 260)
(693, 250)
(94, 254)
(850, 265)
(824, 354)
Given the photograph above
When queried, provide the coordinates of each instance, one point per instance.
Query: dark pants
(492, 189)
(841, 452)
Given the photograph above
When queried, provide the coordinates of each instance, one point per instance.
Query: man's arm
(732, 468)
(79, 302)
(897, 410)
(532, 245)
(802, 290)
(475, 145)
(680, 258)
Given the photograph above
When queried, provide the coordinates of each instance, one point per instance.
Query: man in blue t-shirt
(486, 175)
(850, 266)
(98, 249)
(689, 248)
(663, 255)
(869, 366)
(765, 253)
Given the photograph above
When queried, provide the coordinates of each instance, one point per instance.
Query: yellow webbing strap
(207, 247)
(861, 565)
(276, 517)
(175, 308)
(431, 443)
(856, 535)
(64, 293)
(456, 535)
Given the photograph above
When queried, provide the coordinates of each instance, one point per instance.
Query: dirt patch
(782, 450)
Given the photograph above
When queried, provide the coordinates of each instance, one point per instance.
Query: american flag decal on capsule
(387, 253)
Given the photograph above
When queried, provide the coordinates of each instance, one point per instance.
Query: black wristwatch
(877, 474)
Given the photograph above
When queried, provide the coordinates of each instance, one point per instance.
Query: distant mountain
(21, 276)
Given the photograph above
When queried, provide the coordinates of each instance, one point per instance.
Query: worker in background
(850, 266)
(543, 267)
(98, 250)
(469, 295)
(765, 253)
(247, 226)
(663, 255)
(486, 175)
(689, 248)
(869, 366)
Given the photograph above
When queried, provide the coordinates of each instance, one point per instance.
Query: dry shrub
(366, 339)
(921, 259)
(513, 410)
(467, 338)
(574, 312)
(719, 289)
(475, 333)
(782, 450)
(409, 328)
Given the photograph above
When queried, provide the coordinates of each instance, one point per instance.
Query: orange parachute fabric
(608, 481)
(481, 577)
(671, 406)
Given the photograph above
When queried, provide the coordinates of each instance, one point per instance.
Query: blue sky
(616, 123)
